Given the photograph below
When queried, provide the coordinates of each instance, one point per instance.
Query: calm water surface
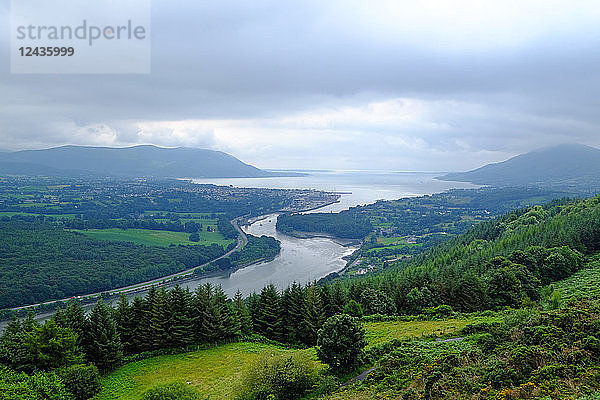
(365, 186)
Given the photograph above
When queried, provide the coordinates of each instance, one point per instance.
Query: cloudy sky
(399, 85)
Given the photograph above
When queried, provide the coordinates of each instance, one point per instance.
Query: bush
(81, 380)
(440, 311)
(39, 386)
(283, 376)
(341, 341)
(354, 309)
(327, 384)
(595, 396)
(172, 391)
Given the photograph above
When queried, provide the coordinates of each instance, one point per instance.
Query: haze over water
(365, 186)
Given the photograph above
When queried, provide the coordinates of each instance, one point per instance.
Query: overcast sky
(398, 85)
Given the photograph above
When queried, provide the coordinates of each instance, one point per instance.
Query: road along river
(300, 260)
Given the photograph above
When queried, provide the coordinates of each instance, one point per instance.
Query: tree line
(68, 350)
(342, 225)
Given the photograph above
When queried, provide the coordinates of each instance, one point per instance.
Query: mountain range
(573, 167)
(136, 161)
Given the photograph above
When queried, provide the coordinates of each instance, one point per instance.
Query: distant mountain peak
(139, 160)
(569, 166)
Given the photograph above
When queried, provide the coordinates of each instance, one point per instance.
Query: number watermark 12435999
(73, 36)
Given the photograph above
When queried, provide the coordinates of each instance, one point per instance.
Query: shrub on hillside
(341, 341)
(81, 380)
(282, 376)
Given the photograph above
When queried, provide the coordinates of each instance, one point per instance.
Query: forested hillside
(42, 262)
(451, 212)
(400, 229)
(124, 231)
(498, 263)
(345, 225)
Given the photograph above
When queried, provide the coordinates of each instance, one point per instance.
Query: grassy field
(204, 222)
(378, 250)
(45, 205)
(215, 372)
(154, 238)
(196, 215)
(379, 332)
(396, 242)
(583, 284)
(389, 240)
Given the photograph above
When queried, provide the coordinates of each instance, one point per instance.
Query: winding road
(241, 242)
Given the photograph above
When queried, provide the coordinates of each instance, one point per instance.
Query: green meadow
(151, 237)
(215, 372)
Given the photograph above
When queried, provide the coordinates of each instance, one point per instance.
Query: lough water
(365, 186)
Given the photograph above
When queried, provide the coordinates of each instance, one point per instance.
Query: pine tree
(326, 295)
(72, 317)
(52, 346)
(253, 306)
(13, 351)
(199, 303)
(243, 316)
(207, 324)
(268, 313)
(123, 319)
(286, 315)
(314, 315)
(354, 292)
(138, 326)
(146, 333)
(229, 326)
(293, 303)
(102, 339)
(338, 299)
(180, 320)
(159, 320)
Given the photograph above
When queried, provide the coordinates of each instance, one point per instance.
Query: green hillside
(508, 310)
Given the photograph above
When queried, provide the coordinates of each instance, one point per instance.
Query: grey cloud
(262, 60)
